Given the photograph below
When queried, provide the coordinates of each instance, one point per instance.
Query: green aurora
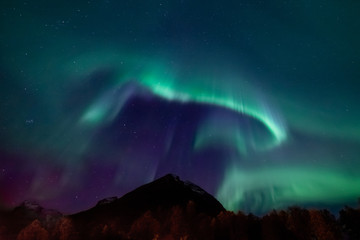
(255, 101)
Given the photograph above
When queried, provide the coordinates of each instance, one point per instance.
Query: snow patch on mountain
(106, 201)
(194, 188)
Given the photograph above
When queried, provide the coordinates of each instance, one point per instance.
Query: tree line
(185, 223)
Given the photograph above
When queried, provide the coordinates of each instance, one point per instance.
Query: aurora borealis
(257, 102)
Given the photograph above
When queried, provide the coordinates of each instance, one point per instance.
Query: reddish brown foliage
(186, 223)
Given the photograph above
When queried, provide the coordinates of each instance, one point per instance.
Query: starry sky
(257, 102)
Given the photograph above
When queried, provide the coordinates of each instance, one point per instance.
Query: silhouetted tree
(274, 227)
(298, 223)
(323, 225)
(350, 222)
(228, 225)
(105, 232)
(202, 228)
(179, 227)
(65, 230)
(254, 227)
(145, 227)
(33, 231)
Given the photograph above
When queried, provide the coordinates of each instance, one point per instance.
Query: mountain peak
(31, 205)
(163, 193)
(171, 177)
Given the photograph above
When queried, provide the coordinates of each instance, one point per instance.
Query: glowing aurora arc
(285, 184)
(231, 93)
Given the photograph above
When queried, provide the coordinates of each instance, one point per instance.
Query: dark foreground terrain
(169, 208)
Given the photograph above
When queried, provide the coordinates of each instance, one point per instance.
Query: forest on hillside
(185, 223)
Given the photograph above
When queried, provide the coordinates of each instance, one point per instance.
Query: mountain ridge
(169, 208)
(165, 192)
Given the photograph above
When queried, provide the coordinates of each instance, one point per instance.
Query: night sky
(257, 102)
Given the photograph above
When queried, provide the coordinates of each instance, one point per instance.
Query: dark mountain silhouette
(18, 218)
(161, 194)
(170, 209)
